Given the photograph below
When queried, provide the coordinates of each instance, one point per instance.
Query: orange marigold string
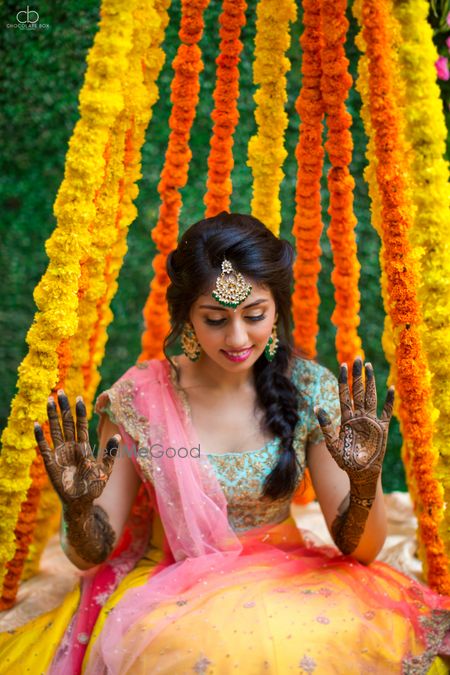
(308, 224)
(309, 153)
(225, 114)
(335, 85)
(412, 387)
(185, 89)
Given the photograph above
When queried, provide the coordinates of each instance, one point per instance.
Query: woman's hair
(258, 254)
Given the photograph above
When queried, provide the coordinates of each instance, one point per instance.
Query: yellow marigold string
(185, 89)
(309, 153)
(140, 93)
(266, 152)
(225, 114)
(412, 386)
(56, 295)
(335, 84)
(426, 132)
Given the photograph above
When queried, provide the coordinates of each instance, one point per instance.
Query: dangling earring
(272, 344)
(189, 343)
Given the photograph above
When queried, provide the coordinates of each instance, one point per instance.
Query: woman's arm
(114, 504)
(346, 468)
(332, 488)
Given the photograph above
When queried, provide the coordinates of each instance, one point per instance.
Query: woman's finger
(82, 423)
(370, 401)
(47, 454)
(388, 406)
(53, 421)
(358, 385)
(344, 395)
(112, 448)
(330, 434)
(66, 415)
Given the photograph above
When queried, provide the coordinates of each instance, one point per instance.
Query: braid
(279, 397)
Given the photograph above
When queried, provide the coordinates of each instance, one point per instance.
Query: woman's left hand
(360, 446)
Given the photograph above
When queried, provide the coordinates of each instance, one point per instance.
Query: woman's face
(221, 330)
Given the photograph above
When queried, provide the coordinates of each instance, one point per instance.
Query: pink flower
(442, 68)
(448, 19)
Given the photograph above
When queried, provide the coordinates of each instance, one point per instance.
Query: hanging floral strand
(225, 114)
(140, 94)
(426, 132)
(72, 352)
(266, 152)
(335, 84)
(56, 295)
(412, 386)
(185, 89)
(309, 153)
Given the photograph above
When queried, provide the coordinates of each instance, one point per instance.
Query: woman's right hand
(76, 475)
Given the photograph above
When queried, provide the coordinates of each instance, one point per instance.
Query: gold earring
(272, 344)
(189, 343)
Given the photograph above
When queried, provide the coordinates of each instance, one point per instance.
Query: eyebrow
(224, 309)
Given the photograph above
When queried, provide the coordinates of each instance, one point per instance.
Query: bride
(192, 561)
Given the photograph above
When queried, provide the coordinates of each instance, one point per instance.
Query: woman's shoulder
(309, 375)
(129, 382)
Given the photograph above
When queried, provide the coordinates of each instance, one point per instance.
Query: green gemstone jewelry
(231, 288)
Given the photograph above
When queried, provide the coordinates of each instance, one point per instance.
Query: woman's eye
(217, 322)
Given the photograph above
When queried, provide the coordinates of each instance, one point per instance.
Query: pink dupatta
(202, 552)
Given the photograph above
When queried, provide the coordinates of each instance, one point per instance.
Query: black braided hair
(258, 254)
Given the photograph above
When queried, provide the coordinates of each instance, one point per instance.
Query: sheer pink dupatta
(190, 501)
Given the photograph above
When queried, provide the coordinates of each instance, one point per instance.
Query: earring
(272, 344)
(189, 343)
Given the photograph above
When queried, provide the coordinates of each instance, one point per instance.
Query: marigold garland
(266, 152)
(72, 240)
(225, 114)
(374, 194)
(185, 88)
(56, 294)
(335, 84)
(308, 225)
(140, 94)
(426, 132)
(412, 385)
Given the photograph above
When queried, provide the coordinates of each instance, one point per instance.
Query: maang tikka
(230, 290)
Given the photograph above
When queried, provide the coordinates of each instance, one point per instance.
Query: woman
(193, 561)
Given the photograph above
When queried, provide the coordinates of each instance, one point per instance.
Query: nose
(236, 335)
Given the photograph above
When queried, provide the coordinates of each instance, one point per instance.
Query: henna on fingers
(78, 479)
(358, 449)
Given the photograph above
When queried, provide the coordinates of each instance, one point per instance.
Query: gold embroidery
(121, 397)
(436, 626)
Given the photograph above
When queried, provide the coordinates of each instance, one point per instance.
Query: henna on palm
(359, 450)
(78, 479)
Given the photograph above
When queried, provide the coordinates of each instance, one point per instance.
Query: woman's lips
(238, 357)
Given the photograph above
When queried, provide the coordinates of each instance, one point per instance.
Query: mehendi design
(78, 478)
(89, 533)
(358, 449)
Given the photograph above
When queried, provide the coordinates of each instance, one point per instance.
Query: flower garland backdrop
(95, 207)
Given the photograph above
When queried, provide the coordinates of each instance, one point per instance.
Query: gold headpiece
(231, 288)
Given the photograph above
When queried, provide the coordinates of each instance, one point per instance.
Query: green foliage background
(43, 73)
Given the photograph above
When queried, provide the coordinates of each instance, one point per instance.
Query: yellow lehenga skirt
(309, 623)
